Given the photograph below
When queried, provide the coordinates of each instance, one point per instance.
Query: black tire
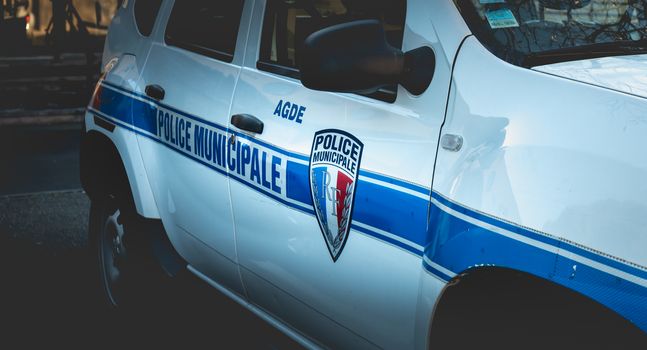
(510, 310)
(127, 273)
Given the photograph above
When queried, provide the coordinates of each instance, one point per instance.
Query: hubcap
(112, 254)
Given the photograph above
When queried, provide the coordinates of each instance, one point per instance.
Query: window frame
(291, 72)
(137, 24)
(202, 50)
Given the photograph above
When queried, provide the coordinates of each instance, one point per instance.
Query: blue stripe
(436, 272)
(387, 239)
(210, 166)
(371, 200)
(397, 182)
(626, 298)
(541, 238)
(392, 211)
(297, 187)
(451, 242)
(457, 245)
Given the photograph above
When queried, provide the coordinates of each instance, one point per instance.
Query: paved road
(48, 294)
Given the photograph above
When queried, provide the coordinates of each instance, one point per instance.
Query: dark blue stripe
(542, 238)
(458, 245)
(436, 272)
(371, 200)
(397, 182)
(625, 297)
(392, 211)
(453, 243)
(297, 186)
(387, 239)
(210, 166)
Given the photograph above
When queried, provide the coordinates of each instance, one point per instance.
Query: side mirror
(355, 57)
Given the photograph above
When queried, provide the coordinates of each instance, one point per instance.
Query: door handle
(247, 122)
(155, 91)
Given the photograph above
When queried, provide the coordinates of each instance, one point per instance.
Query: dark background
(50, 52)
(49, 294)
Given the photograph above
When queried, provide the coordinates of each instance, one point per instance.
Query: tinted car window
(536, 32)
(205, 26)
(145, 15)
(288, 23)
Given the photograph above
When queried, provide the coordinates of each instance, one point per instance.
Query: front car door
(361, 284)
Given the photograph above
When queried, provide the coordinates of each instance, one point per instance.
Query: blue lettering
(167, 126)
(293, 112)
(276, 162)
(238, 157)
(302, 110)
(187, 135)
(208, 138)
(286, 109)
(318, 141)
(198, 144)
(173, 141)
(255, 173)
(181, 133)
(219, 149)
(231, 162)
(160, 122)
(245, 156)
(265, 183)
(277, 111)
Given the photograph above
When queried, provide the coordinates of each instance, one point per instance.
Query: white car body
(549, 180)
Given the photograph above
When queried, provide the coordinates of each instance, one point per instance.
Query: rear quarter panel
(550, 180)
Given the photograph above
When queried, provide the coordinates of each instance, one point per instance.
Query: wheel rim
(112, 252)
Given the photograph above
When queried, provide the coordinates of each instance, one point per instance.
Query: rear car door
(341, 289)
(189, 80)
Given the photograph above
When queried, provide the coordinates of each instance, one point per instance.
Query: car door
(189, 80)
(339, 289)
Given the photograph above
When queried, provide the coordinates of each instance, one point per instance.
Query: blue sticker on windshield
(501, 18)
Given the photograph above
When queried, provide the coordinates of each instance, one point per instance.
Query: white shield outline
(347, 215)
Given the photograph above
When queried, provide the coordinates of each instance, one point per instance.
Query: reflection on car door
(367, 288)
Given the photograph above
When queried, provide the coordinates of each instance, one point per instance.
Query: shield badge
(334, 165)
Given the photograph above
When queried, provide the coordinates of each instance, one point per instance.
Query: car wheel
(125, 274)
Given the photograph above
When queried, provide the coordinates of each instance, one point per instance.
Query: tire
(126, 270)
(510, 310)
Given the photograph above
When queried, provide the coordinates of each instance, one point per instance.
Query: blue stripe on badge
(449, 241)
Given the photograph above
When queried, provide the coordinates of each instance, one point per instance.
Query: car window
(535, 32)
(205, 26)
(145, 15)
(288, 23)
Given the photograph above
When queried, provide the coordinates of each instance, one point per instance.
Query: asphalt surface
(49, 296)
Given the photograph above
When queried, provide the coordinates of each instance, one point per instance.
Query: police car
(380, 174)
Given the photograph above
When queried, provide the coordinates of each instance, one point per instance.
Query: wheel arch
(485, 292)
(104, 168)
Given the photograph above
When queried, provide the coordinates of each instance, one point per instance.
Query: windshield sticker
(501, 18)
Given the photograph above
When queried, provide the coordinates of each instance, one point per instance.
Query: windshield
(535, 32)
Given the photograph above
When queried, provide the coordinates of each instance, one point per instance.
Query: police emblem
(334, 166)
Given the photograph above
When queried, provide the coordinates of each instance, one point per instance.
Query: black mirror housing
(350, 57)
(356, 57)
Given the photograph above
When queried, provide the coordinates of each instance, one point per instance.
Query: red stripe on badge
(342, 183)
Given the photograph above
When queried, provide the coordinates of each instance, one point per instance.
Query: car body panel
(579, 213)
(548, 179)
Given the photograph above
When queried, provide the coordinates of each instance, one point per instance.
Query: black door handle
(155, 91)
(247, 122)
